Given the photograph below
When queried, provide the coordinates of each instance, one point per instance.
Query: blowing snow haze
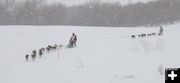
(77, 2)
(112, 13)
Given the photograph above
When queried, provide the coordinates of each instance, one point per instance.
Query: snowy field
(103, 55)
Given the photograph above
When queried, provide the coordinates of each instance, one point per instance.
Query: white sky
(76, 2)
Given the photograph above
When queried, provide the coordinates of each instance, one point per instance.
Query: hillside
(103, 55)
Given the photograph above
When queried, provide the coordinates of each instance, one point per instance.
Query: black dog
(133, 36)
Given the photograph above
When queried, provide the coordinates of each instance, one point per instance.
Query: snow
(78, 2)
(103, 55)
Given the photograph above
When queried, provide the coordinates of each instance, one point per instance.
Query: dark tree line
(31, 12)
(93, 13)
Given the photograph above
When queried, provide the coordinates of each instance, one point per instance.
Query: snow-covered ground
(103, 55)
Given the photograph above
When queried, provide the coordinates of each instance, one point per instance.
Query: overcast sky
(76, 2)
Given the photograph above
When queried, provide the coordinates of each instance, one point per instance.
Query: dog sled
(70, 45)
